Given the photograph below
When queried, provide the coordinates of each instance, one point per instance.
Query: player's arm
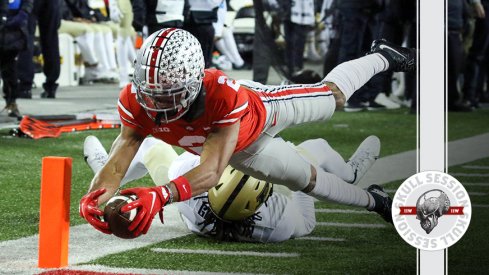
(106, 182)
(123, 150)
(217, 150)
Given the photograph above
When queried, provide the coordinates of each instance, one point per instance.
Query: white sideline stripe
(342, 211)
(469, 175)
(476, 167)
(476, 184)
(222, 252)
(358, 225)
(102, 268)
(321, 239)
(480, 205)
(403, 165)
(87, 244)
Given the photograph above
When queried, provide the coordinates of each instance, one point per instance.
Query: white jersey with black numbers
(276, 220)
(273, 222)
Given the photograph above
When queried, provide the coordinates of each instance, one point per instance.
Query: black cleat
(383, 203)
(400, 59)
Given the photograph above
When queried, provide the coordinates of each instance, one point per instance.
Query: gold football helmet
(237, 196)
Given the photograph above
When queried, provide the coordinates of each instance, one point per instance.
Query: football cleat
(383, 203)
(94, 153)
(364, 157)
(400, 59)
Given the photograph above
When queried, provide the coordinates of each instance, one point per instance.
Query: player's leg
(289, 105)
(274, 160)
(94, 153)
(96, 156)
(279, 162)
(306, 221)
(349, 76)
(153, 156)
(331, 161)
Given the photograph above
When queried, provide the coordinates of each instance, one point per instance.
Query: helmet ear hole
(248, 206)
(218, 186)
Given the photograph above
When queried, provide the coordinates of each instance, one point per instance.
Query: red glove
(89, 211)
(150, 201)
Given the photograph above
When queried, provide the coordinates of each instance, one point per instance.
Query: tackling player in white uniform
(283, 216)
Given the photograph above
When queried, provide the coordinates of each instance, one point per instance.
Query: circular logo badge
(431, 210)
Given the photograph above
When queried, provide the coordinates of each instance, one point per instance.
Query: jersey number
(231, 83)
(191, 141)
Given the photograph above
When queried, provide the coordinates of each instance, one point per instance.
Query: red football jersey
(226, 102)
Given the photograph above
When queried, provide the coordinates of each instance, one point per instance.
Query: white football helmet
(168, 73)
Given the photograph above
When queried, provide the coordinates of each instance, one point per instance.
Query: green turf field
(365, 250)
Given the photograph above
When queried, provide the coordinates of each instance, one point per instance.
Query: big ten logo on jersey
(161, 130)
(230, 82)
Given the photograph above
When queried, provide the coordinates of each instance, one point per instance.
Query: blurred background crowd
(258, 35)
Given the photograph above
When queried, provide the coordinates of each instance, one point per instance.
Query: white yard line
(227, 253)
(357, 225)
(342, 211)
(321, 239)
(476, 167)
(403, 165)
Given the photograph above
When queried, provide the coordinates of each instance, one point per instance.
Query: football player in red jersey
(232, 122)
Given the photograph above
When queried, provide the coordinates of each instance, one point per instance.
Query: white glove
(115, 12)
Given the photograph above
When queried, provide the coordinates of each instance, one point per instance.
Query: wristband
(183, 187)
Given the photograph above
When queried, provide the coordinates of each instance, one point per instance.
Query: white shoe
(400, 101)
(312, 54)
(364, 157)
(94, 153)
(382, 99)
(94, 73)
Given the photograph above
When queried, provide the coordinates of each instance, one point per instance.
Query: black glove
(19, 20)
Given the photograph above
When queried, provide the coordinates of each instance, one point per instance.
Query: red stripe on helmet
(156, 52)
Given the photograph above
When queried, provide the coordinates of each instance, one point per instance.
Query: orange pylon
(54, 223)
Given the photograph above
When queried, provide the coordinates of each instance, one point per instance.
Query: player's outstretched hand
(89, 210)
(150, 200)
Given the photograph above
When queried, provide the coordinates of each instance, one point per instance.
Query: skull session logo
(431, 210)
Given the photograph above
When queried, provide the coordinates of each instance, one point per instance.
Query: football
(117, 220)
